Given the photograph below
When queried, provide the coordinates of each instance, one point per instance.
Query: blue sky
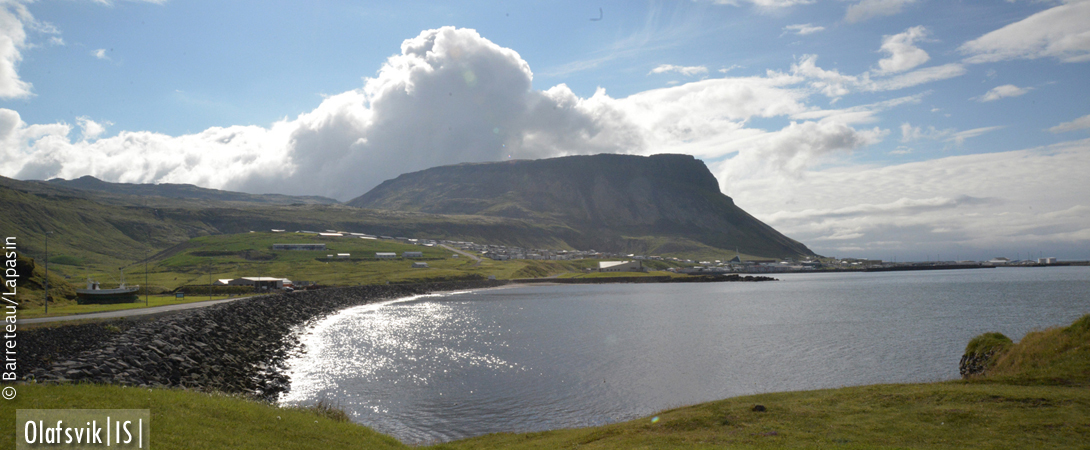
(874, 128)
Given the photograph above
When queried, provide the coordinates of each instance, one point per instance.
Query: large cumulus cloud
(449, 96)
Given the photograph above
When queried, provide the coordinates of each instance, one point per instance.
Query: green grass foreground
(1035, 394)
(951, 415)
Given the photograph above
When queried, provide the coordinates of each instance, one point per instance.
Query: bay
(443, 367)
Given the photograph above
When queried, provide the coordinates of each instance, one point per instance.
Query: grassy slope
(1059, 356)
(938, 415)
(193, 420)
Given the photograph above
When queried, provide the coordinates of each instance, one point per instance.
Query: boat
(95, 294)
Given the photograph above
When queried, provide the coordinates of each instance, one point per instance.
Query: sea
(441, 367)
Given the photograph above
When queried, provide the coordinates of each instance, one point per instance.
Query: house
(620, 266)
(412, 255)
(385, 255)
(420, 265)
(260, 283)
(344, 255)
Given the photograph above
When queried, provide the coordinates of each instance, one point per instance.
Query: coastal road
(131, 312)
(460, 252)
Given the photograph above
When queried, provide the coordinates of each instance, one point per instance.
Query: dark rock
(236, 347)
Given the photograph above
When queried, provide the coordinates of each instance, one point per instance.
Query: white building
(1049, 260)
(420, 265)
(620, 266)
(385, 255)
(412, 254)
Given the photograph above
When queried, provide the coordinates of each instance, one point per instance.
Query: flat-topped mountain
(656, 204)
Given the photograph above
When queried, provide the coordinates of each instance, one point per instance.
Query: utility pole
(47, 233)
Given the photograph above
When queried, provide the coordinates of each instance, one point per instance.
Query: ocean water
(442, 367)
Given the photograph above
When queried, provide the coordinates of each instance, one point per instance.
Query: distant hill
(186, 191)
(109, 230)
(656, 204)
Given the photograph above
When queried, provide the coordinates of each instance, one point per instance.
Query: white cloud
(916, 77)
(911, 133)
(91, 129)
(1078, 124)
(980, 205)
(802, 29)
(832, 83)
(960, 137)
(450, 96)
(12, 40)
(869, 9)
(903, 53)
(1061, 32)
(684, 70)
(1006, 90)
(100, 54)
(792, 150)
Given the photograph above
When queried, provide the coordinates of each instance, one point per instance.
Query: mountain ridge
(611, 200)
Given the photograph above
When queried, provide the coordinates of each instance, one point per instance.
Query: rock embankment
(974, 364)
(236, 347)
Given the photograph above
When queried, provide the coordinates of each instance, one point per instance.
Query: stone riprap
(237, 347)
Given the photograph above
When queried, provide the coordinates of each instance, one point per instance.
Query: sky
(885, 129)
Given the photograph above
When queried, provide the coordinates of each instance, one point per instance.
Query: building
(260, 283)
(420, 265)
(385, 255)
(1049, 260)
(620, 266)
(412, 255)
(298, 247)
(344, 255)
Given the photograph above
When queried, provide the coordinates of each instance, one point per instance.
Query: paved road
(460, 252)
(131, 312)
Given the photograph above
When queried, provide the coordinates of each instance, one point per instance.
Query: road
(131, 312)
(460, 252)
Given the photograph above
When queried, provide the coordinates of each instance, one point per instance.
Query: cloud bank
(449, 96)
(1061, 32)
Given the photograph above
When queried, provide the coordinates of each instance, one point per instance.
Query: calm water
(438, 368)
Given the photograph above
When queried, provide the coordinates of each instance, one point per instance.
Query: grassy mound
(1054, 356)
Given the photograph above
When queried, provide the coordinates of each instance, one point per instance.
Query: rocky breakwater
(236, 347)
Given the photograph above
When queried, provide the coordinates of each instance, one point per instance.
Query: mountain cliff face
(652, 204)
